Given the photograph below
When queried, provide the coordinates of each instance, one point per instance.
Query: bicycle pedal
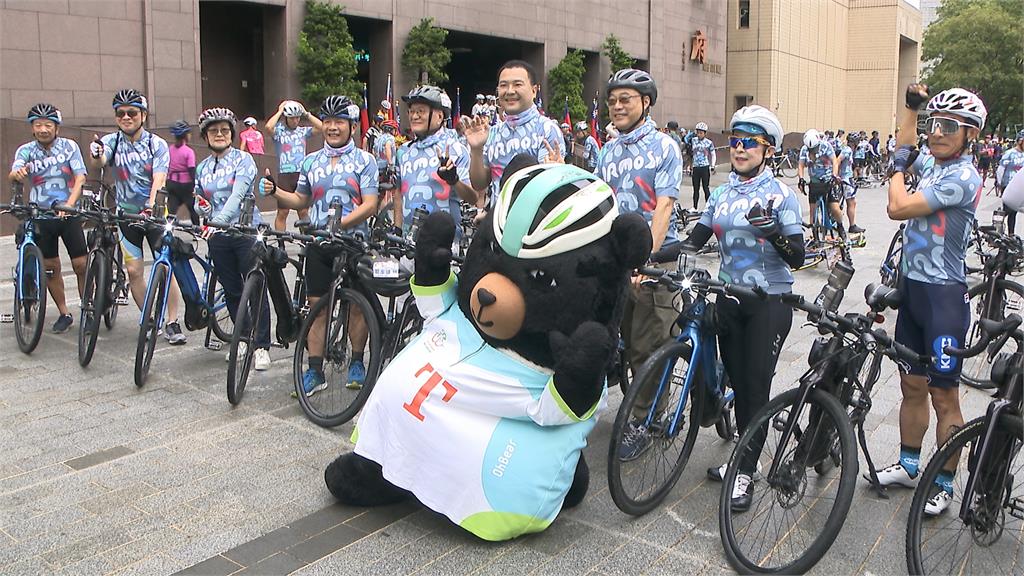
(1016, 506)
(121, 300)
(214, 345)
(6, 318)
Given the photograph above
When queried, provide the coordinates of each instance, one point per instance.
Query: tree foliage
(976, 45)
(326, 59)
(425, 54)
(619, 58)
(566, 81)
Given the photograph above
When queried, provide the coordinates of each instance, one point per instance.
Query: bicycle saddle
(879, 296)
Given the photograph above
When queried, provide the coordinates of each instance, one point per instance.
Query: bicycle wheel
(794, 516)
(247, 317)
(117, 287)
(991, 542)
(30, 299)
(220, 317)
(94, 297)
(639, 484)
(337, 403)
(410, 325)
(149, 327)
(1008, 299)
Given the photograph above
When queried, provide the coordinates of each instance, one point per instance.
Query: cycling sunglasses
(128, 113)
(748, 141)
(947, 126)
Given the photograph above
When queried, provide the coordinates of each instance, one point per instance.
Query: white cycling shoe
(938, 501)
(895, 475)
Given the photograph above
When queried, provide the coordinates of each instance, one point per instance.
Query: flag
(456, 114)
(389, 97)
(593, 121)
(396, 114)
(565, 117)
(364, 113)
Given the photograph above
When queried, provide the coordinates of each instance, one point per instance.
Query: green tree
(566, 81)
(619, 58)
(425, 55)
(976, 45)
(327, 61)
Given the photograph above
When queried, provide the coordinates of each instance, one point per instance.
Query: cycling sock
(910, 459)
(316, 363)
(357, 356)
(945, 481)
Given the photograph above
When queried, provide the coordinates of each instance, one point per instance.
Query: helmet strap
(640, 120)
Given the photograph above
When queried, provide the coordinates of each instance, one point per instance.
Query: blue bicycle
(30, 274)
(204, 307)
(651, 445)
(826, 243)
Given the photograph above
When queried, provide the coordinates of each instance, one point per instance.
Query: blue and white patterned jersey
(291, 146)
(421, 186)
(134, 164)
(380, 144)
(350, 179)
(845, 163)
(1012, 161)
(473, 432)
(521, 133)
(747, 257)
(703, 152)
(934, 246)
(641, 167)
(51, 172)
(225, 182)
(590, 152)
(861, 152)
(821, 169)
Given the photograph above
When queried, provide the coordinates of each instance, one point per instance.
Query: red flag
(364, 114)
(457, 113)
(391, 108)
(565, 115)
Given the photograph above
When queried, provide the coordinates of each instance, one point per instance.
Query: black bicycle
(981, 531)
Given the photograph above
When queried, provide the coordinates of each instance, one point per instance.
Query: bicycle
(30, 274)
(783, 164)
(980, 531)
(205, 308)
(685, 368)
(826, 243)
(794, 518)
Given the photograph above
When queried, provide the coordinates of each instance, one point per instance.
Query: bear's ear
(631, 238)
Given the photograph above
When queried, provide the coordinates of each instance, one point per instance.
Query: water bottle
(832, 292)
(334, 216)
(245, 216)
(418, 216)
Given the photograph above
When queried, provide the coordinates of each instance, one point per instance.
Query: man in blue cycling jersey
(818, 162)
(55, 172)
(845, 158)
(584, 147)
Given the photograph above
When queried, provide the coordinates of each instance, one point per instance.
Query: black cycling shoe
(742, 493)
(856, 229)
(63, 324)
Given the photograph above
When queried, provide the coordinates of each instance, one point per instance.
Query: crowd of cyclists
(756, 217)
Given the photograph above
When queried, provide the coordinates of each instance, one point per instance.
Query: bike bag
(287, 325)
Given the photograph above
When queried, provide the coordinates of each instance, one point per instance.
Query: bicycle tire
(342, 403)
(93, 301)
(976, 370)
(411, 324)
(148, 324)
(921, 530)
(247, 317)
(220, 318)
(768, 418)
(643, 501)
(118, 286)
(30, 300)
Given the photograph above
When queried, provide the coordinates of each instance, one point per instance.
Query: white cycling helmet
(701, 126)
(961, 103)
(249, 121)
(480, 97)
(756, 119)
(812, 139)
(548, 209)
(292, 109)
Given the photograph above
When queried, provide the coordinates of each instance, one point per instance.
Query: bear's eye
(543, 278)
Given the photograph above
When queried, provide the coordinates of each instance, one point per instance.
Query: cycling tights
(701, 177)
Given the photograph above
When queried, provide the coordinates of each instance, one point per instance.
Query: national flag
(396, 113)
(364, 113)
(457, 113)
(565, 116)
(389, 97)
(593, 121)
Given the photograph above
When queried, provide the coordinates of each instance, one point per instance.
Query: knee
(79, 265)
(914, 387)
(945, 401)
(51, 264)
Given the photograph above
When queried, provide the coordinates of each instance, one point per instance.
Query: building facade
(823, 64)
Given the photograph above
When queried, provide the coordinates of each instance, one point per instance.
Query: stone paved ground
(99, 477)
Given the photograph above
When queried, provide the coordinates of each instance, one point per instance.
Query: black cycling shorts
(320, 267)
(931, 317)
(68, 230)
(131, 240)
(860, 162)
(816, 190)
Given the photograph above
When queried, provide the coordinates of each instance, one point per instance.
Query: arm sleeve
(670, 174)
(432, 301)
(714, 155)
(790, 248)
(245, 174)
(76, 162)
(161, 156)
(789, 214)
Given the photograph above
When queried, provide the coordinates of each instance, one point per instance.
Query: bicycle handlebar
(990, 330)
(677, 281)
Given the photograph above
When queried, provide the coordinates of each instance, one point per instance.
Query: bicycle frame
(28, 228)
(181, 271)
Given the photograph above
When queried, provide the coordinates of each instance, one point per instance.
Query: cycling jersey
(934, 245)
(703, 152)
(51, 172)
(873, 146)
(747, 258)
(353, 177)
(1012, 161)
(473, 431)
(861, 152)
(291, 146)
(520, 133)
(890, 145)
(590, 152)
(224, 182)
(845, 162)
(380, 144)
(253, 140)
(641, 167)
(135, 165)
(421, 186)
(181, 160)
(821, 169)
(481, 110)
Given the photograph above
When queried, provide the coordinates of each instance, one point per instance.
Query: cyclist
(480, 108)
(433, 168)
(567, 140)
(890, 148)
(704, 158)
(141, 160)
(385, 150)
(290, 139)
(585, 145)
(181, 172)
(251, 139)
(845, 158)
(758, 224)
(55, 171)
(818, 161)
(861, 151)
(837, 141)
(523, 130)
(874, 142)
(497, 114)
(342, 178)
(223, 181)
(644, 167)
(935, 311)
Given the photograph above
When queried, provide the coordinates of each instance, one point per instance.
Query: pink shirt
(253, 140)
(182, 158)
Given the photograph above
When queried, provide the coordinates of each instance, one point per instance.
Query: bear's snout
(498, 306)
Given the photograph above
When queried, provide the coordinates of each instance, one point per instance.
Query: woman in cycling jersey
(181, 172)
(756, 219)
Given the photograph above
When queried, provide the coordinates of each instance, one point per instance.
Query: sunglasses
(219, 131)
(947, 126)
(128, 113)
(748, 141)
(624, 100)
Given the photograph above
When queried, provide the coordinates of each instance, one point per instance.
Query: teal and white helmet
(548, 209)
